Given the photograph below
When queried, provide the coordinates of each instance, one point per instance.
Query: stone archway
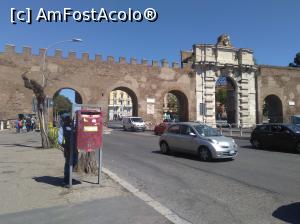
(272, 109)
(176, 106)
(62, 102)
(122, 102)
(212, 61)
(226, 100)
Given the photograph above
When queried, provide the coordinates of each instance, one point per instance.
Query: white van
(133, 124)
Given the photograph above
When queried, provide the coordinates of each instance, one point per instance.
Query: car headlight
(213, 140)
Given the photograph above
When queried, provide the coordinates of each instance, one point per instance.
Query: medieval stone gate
(222, 60)
(147, 82)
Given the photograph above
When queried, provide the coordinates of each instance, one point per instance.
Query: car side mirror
(287, 132)
(192, 134)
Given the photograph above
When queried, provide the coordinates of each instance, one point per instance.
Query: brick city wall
(93, 79)
(283, 82)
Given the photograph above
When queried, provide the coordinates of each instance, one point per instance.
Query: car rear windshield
(136, 119)
(207, 131)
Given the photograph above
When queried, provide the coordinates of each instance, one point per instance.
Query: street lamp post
(44, 66)
(45, 53)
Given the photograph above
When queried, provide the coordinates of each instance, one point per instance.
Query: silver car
(197, 138)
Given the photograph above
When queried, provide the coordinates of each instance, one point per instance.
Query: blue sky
(270, 28)
(69, 93)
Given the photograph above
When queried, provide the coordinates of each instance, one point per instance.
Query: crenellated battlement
(85, 57)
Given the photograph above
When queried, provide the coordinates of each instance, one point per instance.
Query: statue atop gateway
(224, 40)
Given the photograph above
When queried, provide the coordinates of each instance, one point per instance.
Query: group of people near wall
(25, 124)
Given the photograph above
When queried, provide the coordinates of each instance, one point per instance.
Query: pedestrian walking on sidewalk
(23, 123)
(17, 125)
(20, 125)
(28, 124)
(32, 126)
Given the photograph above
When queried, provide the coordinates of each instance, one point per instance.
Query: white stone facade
(211, 62)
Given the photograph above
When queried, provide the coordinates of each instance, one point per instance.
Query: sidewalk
(31, 189)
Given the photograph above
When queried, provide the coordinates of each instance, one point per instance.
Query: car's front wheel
(255, 143)
(205, 154)
(298, 148)
(164, 148)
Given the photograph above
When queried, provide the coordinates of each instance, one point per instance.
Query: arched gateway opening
(62, 103)
(175, 106)
(122, 102)
(272, 109)
(226, 100)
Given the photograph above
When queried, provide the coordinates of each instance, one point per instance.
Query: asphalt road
(257, 187)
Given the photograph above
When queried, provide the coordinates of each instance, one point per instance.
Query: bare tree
(39, 93)
(87, 162)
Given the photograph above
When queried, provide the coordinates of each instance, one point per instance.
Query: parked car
(197, 138)
(295, 119)
(160, 128)
(281, 136)
(133, 124)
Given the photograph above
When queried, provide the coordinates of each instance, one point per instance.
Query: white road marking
(164, 211)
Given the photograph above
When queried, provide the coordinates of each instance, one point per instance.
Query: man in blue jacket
(67, 143)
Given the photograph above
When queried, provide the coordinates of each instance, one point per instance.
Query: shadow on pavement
(28, 146)
(21, 145)
(288, 213)
(55, 181)
(115, 128)
(268, 149)
(247, 147)
(188, 156)
(178, 155)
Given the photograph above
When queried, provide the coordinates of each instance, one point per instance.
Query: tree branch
(34, 86)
